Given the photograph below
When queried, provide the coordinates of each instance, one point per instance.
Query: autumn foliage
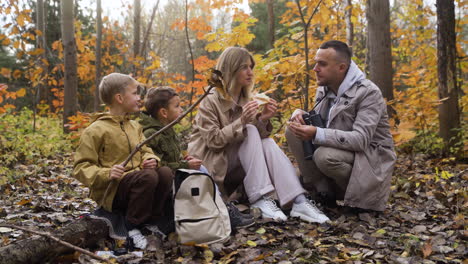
(214, 25)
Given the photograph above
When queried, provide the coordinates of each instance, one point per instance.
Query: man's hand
(116, 172)
(150, 164)
(303, 132)
(268, 111)
(297, 116)
(249, 111)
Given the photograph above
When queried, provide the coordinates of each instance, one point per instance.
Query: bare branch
(48, 235)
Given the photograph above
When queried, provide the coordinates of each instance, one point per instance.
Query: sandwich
(261, 99)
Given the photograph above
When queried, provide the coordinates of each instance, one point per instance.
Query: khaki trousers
(328, 171)
(263, 167)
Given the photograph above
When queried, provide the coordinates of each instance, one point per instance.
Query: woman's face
(244, 76)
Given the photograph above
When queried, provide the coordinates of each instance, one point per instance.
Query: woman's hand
(249, 111)
(269, 111)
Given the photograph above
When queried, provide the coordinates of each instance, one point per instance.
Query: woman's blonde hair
(113, 84)
(229, 63)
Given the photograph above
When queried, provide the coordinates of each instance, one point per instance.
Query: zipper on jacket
(128, 141)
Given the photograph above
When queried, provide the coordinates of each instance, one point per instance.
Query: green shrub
(19, 144)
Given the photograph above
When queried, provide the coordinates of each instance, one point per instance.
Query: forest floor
(425, 221)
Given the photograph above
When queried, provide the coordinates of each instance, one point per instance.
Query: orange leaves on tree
(5, 94)
(5, 72)
(203, 63)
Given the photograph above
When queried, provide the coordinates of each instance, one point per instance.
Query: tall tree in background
(136, 27)
(349, 24)
(271, 23)
(449, 113)
(98, 53)
(305, 25)
(42, 44)
(380, 47)
(69, 55)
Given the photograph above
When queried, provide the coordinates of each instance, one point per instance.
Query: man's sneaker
(139, 240)
(307, 211)
(238, 219)
(269, 209)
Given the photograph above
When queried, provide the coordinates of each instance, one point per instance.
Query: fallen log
(84, 233)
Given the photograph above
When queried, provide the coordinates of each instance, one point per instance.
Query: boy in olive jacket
(162, 107)
(142, 187)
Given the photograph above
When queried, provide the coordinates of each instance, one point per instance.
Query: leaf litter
(425, 221)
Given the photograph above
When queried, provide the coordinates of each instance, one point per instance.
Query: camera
(312, 119)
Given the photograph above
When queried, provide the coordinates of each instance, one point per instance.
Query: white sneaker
(307, 211)
(269, 209)
(139, 240)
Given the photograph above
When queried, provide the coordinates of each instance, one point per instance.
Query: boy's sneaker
(139, 240)
(307, 211)
(238, 219)
(269, 209)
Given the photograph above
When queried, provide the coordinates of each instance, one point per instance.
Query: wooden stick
(48, 235)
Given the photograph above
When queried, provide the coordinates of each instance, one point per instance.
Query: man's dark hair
(341, 49)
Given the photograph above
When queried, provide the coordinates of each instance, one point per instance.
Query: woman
(231, 137)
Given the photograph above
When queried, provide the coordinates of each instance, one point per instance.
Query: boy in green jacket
(142, 187)
(162, 107)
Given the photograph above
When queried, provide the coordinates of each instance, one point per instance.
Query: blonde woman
(231, 136)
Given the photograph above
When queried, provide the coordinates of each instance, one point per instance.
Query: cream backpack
(200, 214)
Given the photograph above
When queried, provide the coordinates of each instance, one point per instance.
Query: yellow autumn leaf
(6, 42)
(21, 92)
(5, 72)
(24, 202)
(21, 20)
(251, 243)
(17, 74)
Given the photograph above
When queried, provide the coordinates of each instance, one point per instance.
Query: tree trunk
(98, 54)
(42, 44)
(349, 24)
(83, 233)
(271, 23)
(449, 113)
(69, 50)
(380, 47)
(136, 27)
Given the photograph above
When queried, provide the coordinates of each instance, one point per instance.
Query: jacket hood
(353, 75)
(108, 116)
(146, 121)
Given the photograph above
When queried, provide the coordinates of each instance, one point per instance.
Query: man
(354, 156)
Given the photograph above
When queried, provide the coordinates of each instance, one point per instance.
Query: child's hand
(189, 157)
(116, 172)
(150, 164)
(194, 164)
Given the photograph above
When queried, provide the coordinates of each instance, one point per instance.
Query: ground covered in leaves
(425, 221)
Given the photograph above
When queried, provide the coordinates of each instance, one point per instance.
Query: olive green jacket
(108, 141)
(166, 145)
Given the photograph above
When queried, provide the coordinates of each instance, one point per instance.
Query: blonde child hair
(113, 84)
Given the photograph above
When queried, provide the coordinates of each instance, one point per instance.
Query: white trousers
(266, 168)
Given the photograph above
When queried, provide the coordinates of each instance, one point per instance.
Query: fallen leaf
(427, 249)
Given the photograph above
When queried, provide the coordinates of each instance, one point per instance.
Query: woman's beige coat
(218, 126)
